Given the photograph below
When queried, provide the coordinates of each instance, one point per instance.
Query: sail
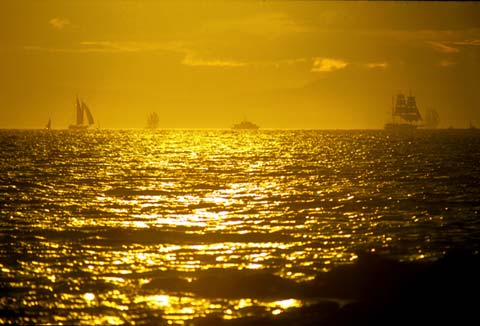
(406, 108)
(431, 118)
(152, 121)
(79, 109)
(413, 112)
(88, 113)
(49, 124)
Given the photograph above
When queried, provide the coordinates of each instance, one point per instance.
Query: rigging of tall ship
(432, 118)
(405, 114)
(81, 110)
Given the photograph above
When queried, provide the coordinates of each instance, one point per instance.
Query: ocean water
(143, 227)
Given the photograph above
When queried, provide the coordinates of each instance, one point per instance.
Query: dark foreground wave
(373, 291)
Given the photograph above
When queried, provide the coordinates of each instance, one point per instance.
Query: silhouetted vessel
(49, 124)
(81, 109)
(245, 125)
(431, 119)
(405, 114)
(152, 121)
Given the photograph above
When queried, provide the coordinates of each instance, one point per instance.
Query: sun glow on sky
(208, 64)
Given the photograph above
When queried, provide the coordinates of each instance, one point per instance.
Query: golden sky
(209, 64)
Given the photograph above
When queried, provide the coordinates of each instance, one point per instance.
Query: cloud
(281, 63)
(377, 65)
(327, 64)
(115, 47)
(468, 42)
(273, 25)
(441, 47)
(450, 47)
(446, 63)
(58, 23)
(109, 47)
(191, 56)
(191, 60)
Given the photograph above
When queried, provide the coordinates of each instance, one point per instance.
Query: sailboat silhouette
(152, 121)
(80, 109)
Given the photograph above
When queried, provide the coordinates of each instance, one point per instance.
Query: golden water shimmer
(142, 227)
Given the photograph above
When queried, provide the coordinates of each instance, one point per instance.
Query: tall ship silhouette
(405, 114)
(81, 110)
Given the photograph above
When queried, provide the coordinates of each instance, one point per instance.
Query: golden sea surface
(143, 227)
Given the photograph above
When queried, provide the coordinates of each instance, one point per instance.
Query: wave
(114, 236)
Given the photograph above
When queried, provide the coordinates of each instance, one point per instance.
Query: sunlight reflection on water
(121, 226)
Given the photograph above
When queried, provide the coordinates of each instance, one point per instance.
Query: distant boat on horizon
(405, 114)
(431, 118)
(49, 124)
(81, 109)
(245, 124)
(152, 121)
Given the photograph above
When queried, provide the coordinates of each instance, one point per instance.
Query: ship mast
(406, 108)
(79, 110)
(393, 109)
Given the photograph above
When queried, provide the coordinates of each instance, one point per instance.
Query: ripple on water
(133, 226)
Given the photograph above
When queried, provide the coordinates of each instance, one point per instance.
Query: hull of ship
(394, 127)
(244, 128)
(77, 127)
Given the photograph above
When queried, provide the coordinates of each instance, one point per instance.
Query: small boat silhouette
(245, 125)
